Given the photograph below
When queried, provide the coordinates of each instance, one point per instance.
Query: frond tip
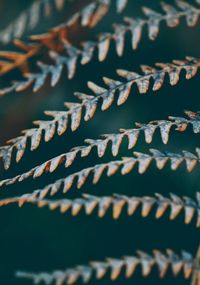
(117, 203)
(88, 103)
(163, 262)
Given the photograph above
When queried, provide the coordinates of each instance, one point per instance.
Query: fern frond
(116, 140)
(134, 26)
(117, 203)
(86, 54)
(29, 19)
(126, 165)
(60, 122)
(90, 15)
(12, 60)
(163, 262)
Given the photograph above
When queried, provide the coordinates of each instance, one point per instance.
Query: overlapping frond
(101, 145)
(115, 267)
(126, 165)
(117, 203)
(134, 26)
(28, 19)
(73, 54)
(62, 120)
(89, 15)
(58, 50)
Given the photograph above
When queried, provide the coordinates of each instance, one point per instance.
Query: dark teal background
(33, 239)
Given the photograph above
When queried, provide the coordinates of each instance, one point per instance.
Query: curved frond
(126, 165)
(101, 145)
(163, 262)
(117, 203)
(114, 88)
(134, 26)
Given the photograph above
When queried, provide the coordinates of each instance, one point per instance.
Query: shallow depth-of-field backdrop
(34, 239)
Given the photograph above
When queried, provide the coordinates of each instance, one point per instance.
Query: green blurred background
(33, 239)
